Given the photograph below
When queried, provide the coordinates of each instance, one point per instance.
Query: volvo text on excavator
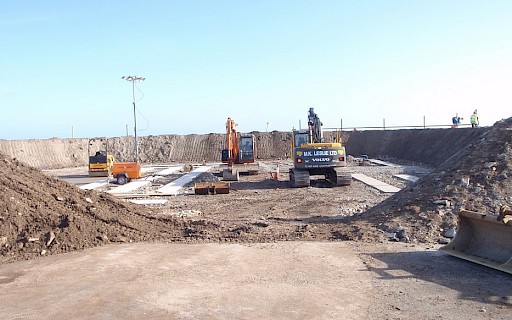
(312, 156)
(240, 153)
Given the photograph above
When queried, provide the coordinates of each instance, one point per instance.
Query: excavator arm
(315, 127)
(232, 144)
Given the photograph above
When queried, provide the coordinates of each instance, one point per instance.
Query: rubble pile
(476, 178)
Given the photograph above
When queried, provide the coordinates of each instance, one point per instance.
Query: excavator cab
(246, 146)
(300, 137)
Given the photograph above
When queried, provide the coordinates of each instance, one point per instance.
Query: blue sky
(262, 63)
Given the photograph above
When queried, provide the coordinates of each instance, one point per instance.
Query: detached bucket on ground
(211, 188)
(482, 239)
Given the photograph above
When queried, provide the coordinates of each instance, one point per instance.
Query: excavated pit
(42, 215)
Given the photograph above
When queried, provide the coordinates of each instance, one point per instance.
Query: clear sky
(263, 63)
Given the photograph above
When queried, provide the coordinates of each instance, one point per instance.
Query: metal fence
(384, 127)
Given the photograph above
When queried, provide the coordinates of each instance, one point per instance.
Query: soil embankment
(430, 146)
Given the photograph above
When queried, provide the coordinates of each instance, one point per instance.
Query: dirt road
(260, 281)
(281, 280)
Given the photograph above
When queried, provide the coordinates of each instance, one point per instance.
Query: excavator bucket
(211, 188)
(482, 239)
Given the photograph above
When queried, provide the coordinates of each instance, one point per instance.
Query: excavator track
(343, 177)
(299, 178)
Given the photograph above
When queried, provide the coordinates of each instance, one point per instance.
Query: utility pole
(134, 79)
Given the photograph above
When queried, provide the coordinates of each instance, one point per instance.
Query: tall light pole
(134, 79)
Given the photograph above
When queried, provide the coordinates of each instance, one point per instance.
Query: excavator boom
(315, 127)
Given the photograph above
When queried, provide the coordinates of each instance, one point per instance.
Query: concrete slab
(130, 186)
(146, 169)
(95, 185)
(167, 171)
(162, 173)
(383, 163)
(284, 280)
(149, 201)
(176, 185)
(136, 184)
(377, 184)
(407, 177)
(418, 170)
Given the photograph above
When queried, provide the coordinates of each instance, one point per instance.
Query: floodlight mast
(134, 79)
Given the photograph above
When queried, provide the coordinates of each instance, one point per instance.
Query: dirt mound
(475, 178)
(40, 215)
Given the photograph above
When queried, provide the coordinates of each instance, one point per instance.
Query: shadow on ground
(277, 184)
(472, 281)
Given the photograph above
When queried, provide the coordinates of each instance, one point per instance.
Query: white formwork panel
(176, 185)
(377, 184)
(136, 184)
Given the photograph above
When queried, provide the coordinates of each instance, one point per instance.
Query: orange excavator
(239, 154)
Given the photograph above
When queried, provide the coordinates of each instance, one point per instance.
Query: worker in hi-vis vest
(474, 119)
(456, 121)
